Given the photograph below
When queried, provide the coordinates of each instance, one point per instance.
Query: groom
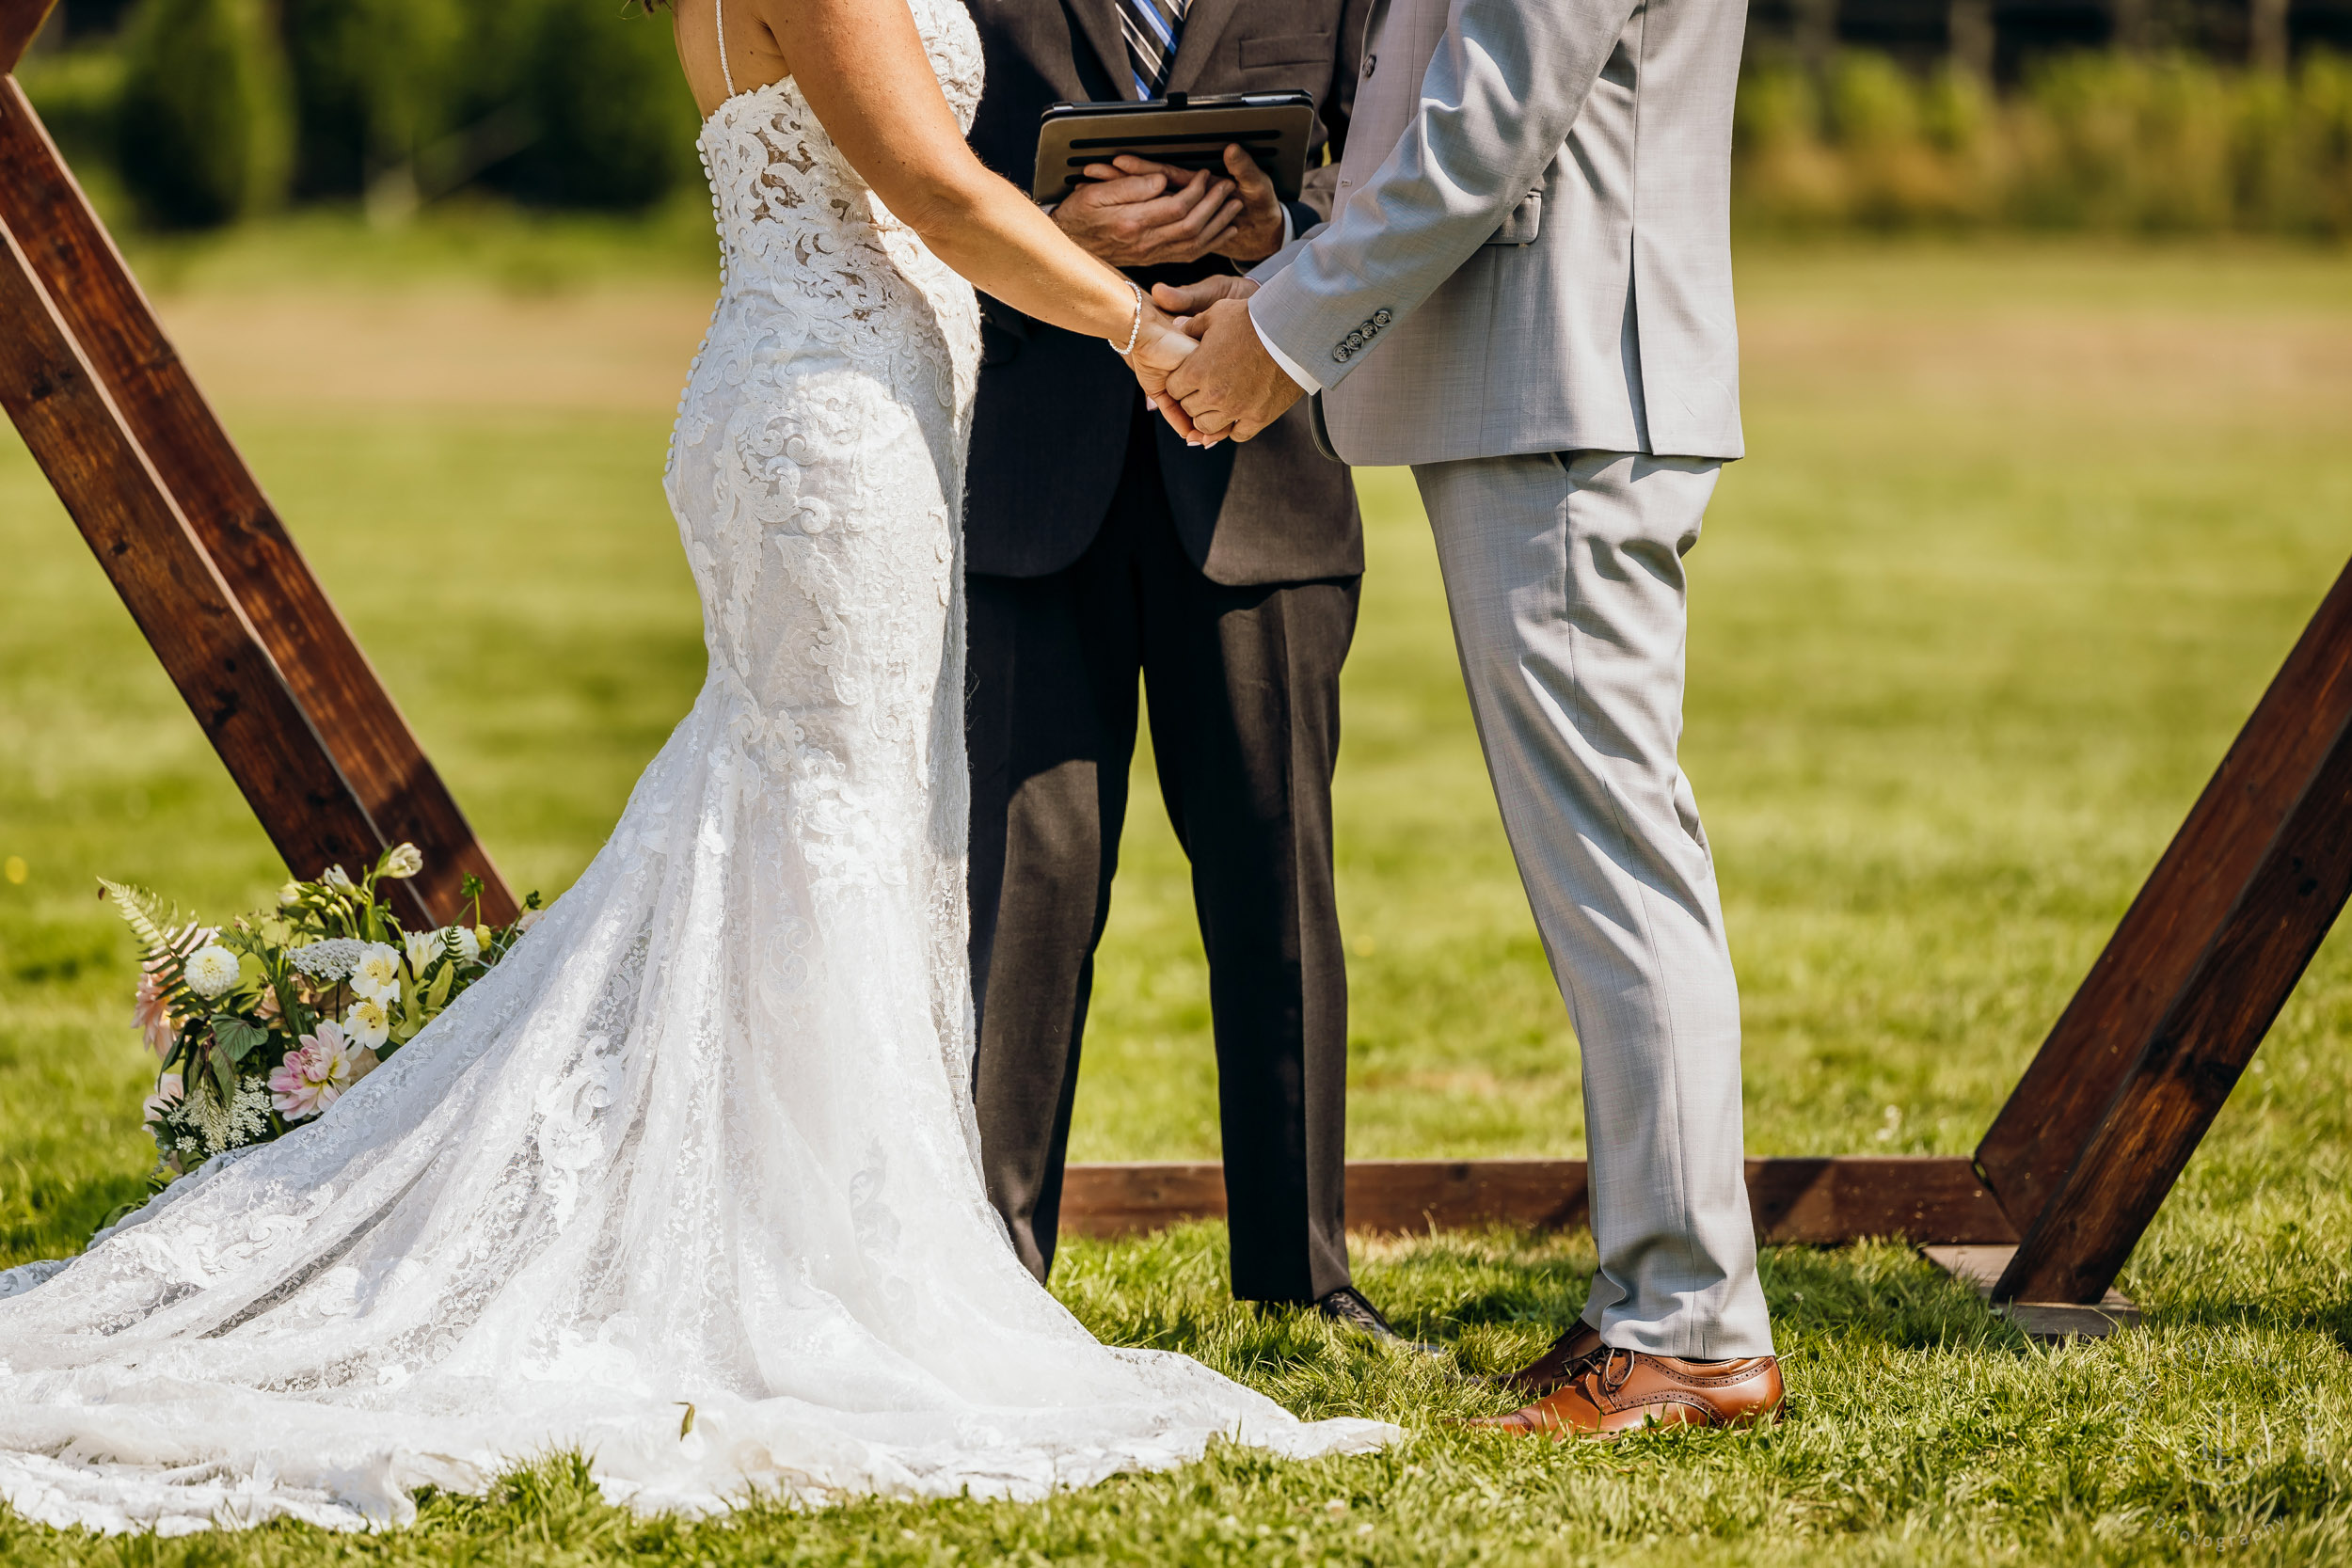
(1525, 294)
(1102, 553)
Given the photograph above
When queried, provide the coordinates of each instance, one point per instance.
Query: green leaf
(224, 1073)
(236, 1037)
(436, 994)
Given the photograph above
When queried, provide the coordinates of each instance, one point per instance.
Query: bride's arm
(861, 65)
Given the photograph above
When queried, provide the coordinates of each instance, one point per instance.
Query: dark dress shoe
(1619, 1391)
(1549, 1372)
(1347, 1307)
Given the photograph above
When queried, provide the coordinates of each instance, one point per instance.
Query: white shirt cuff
(1290, 366)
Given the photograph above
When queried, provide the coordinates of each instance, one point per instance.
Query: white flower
(469, 942)
(330, 960)
(368, 1023)
(211, 970)
(376, 975)
(338, 879)
(423, 947)
(402, 861)
(225, 1124)
(289, 896)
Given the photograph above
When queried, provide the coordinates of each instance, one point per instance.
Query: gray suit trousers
(1564, 577)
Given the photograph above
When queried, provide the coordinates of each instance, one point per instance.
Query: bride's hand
(1161, 345)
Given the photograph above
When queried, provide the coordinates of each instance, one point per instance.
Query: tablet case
(1186, 133)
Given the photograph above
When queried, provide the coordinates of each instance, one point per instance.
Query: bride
(689, 1182)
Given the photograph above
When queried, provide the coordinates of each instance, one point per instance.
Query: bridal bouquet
(263, 1024)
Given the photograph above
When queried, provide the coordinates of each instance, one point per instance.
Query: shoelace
(1612, 1378)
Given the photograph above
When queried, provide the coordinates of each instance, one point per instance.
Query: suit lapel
(1099, 20)
(1196, 48)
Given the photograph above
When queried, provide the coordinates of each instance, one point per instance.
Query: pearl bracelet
(1137, 330)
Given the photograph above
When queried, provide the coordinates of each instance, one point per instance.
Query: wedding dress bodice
(705, 1137)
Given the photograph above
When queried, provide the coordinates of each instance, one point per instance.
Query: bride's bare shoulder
(727, 47)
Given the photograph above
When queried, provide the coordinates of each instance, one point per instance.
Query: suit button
(1341, 352)
(1380, 319)
(1370, 60)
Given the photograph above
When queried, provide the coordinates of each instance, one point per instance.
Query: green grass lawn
(2025, 531)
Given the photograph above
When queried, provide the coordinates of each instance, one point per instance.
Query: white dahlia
(211, 970)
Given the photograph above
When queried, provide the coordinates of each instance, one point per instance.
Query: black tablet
(1186, 133)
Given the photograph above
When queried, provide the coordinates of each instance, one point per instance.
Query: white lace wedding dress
(704, 1139)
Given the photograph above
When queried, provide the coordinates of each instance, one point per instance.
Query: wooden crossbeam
(1803, 1200)
(2137, 1065)
(61, 244)
(20, 20)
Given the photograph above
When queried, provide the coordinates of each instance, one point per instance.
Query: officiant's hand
(1257, 232)
(1230, 386)
(1135, 213)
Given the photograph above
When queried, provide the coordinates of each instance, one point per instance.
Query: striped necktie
(1153, 27)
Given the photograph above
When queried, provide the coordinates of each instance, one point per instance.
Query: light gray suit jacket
(1532, 248)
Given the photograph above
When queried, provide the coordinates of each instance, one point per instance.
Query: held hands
(1135, 213)
(1161, 345)
(1229, 385)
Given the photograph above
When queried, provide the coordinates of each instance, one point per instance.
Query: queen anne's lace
(705, 1137)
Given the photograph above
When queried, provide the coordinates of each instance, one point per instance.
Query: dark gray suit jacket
(1050, 430)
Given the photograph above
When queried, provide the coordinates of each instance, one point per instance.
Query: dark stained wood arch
(360, 765)
(2071, 1170)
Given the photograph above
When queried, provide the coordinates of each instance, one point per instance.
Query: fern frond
(151, 920)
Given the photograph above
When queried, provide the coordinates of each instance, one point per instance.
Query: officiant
(1103, 555)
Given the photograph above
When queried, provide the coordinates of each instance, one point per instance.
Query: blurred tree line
(206, 111)
(2116, 141)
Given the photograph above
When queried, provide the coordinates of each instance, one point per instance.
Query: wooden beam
(19, 22)
(2076, 1247)
(110, 318)
(2227, 882)
(2051, 1322)
(207, 646)
(1821, 1201)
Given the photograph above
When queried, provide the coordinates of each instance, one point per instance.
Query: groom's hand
(1132, 213)
(1230, 386)
(1185, 301)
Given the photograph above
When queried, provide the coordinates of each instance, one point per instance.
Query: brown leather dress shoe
(1618, 1391)
(1557, 1365)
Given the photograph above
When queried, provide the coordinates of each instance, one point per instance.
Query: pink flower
(150, 1011)
(168, 1094)
(314, 1074)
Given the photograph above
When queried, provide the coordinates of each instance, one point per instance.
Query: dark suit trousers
(1244, 687)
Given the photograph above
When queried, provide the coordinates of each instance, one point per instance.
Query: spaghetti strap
(718, 10)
